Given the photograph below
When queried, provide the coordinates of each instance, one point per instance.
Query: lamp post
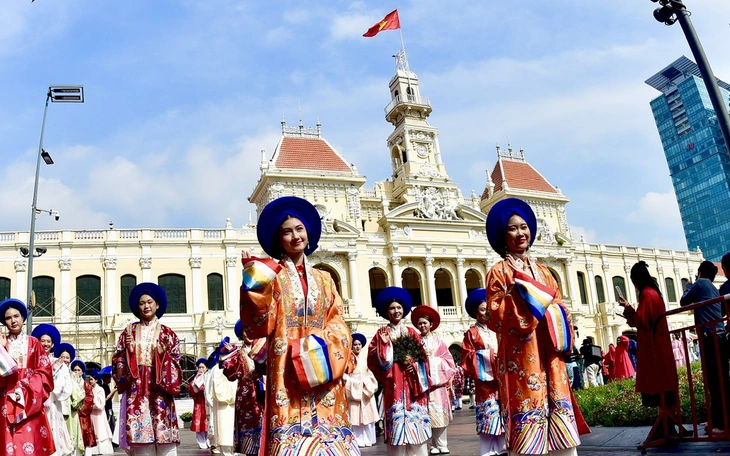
(673, 11)
(56, 94)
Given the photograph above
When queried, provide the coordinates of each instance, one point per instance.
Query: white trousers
(408, 450)
(592, 374)
(153, 449)
(202, 439)
(490, 445)
(439, 438)
(364, 435)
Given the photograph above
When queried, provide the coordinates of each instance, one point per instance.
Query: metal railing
(715, 379)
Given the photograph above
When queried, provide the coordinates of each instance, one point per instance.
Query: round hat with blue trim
(276, 212)
(393, 294)
(154, 291)
(359, 337)
(497, 220)
(78, 362)
(15, 304)
(46, 329)
(64, 347)
(473, 300)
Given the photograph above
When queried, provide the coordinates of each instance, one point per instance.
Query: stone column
(110, 303)
(461, 283)
(356, 309)
(573, 294)
(396, 280)
(145, 263)
(21, 278)
(234, 282)
(660, 279)
(64, 264)
(629, 286)
(196, 284)
(678, 288)
(592, 291)
(430, 281)
(610, 292)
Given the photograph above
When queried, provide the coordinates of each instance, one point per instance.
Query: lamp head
(46, 157)
(24, 251)
(56, 215)
(665, 15)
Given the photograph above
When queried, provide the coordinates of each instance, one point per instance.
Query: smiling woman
(25, 390)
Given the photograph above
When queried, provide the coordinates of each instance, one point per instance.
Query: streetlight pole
(62, 94)
(675, 11)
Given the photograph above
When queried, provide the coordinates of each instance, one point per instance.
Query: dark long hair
(642, 279)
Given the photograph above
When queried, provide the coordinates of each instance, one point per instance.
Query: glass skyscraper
(696, 154)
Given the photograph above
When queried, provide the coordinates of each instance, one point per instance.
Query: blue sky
(181, 96)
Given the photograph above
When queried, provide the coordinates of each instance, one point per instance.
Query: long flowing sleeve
(168, 372)
(380, 355)
(224, 389)
(504, 313)
(99, 399)
(120, 364)
(62, 386)
(36, 387)
(441, 366)
(477, 361)
(259, 308)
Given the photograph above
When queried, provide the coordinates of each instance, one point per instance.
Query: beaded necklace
(18, 347)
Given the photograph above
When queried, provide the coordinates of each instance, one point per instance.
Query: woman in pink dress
(199, 424)
(678, 350)
(441, 370)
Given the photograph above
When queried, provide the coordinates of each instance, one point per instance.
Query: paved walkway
(615, 441)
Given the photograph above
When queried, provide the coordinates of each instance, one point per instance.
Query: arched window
(88, 295)
(378, 282)
(620, 282)
(412, 284)
(444, 292)
(473, 280)
(557, 279)
(599, 289)
(582, 288)
(174, 286)
(43, 287)
(127, 282)
(671, 291)
(685, 281)
(215, 292)
(333, 273)
(4, 288)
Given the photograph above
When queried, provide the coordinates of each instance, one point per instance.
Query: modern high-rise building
(698, 160)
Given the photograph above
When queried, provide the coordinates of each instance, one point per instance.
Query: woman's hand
(411, 369)
(129, 341)
(161, 347)
(245, 255)
(385, 336)
(622, 301)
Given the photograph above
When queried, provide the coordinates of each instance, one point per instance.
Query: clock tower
(414, 148)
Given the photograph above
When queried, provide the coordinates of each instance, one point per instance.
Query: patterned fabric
(8, 365)
(249, 412)
(441, 369)
(62, 388)
(311, 361)
(87, 429)
(537, 402)
(559, 329)
(150, 389)
(197, 392)
(407, 421)
(282, 311)
(478, 355)
(34, 381)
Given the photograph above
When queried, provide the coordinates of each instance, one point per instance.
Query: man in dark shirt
(592, 358)
(717, 375)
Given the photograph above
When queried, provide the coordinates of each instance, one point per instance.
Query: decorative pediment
(412, 211)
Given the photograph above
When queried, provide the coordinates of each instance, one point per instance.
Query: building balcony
(412, 100)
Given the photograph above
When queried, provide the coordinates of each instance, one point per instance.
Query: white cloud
(351, 26)
(589, 235)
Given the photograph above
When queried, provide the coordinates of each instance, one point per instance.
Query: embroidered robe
(538, 408)
(151, 380)
(441, 370)
(407, 421)
(25, 428)
(361, 386)
(248, 414)
(479, 360)
(84, 411)
(76, 401)
(299, 420)
(197, 392)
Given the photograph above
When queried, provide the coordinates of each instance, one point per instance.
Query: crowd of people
(297, 382)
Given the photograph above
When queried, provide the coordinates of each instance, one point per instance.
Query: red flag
(390, 22)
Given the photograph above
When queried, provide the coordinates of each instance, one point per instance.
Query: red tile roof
(309, 153)
(519, 175)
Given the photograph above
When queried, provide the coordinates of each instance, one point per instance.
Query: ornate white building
(414, 229)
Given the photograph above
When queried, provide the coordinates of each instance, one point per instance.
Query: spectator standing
(622, 367)
(710, 348)
(656, 376)
(458, 386)
(592, 359)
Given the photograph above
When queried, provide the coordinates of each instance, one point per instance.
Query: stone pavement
(615, 441)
